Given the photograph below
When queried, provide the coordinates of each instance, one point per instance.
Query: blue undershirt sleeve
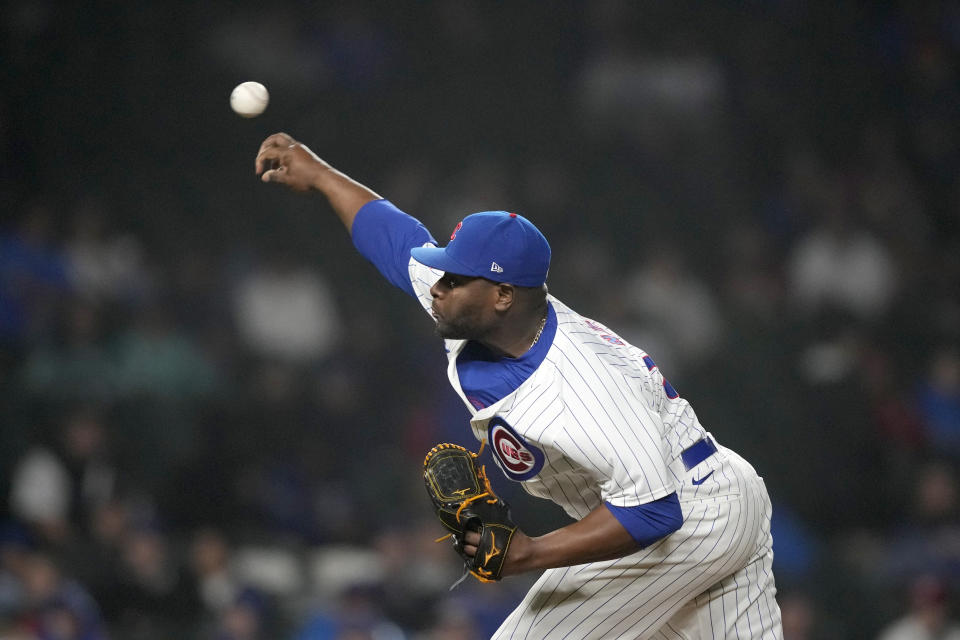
(651, 521)
(384, 235)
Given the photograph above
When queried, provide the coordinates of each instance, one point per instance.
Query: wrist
(522, 554)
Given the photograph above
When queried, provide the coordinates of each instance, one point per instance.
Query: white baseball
(249, 99)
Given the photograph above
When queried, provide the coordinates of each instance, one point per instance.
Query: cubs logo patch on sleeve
(517, 458)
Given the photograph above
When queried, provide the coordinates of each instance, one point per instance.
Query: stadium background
(214, 411)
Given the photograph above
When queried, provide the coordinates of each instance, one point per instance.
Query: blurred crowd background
(213, 412)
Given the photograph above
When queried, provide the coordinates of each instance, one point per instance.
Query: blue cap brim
(437, 258)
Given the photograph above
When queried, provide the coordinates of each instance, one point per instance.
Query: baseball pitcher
(671, 537)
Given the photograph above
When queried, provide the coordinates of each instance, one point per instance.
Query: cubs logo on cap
(496, 245)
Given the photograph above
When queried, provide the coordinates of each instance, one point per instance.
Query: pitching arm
(283, 160)
(381, 233)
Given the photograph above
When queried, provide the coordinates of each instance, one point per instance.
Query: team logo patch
(518, 459)
(457, 228)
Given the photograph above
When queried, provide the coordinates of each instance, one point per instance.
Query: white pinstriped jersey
(595, 422)
(597, 409)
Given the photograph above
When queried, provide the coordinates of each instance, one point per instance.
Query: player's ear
(506, 296)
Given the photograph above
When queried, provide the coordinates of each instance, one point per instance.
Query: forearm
(283, 160)
(598, 536)
(383, 234)
(345, 195)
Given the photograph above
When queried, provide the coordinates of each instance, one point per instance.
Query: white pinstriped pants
(712, 579)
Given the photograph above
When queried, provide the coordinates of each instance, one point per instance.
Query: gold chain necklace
(543, 323)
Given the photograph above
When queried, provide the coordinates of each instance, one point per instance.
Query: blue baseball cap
(496, 245)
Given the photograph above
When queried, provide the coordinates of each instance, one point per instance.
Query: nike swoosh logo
(701, 480)
(493, 551)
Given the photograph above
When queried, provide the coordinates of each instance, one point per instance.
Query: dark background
(762, 195)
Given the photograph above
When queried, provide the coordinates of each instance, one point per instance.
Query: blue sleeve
(384, 235)
(649, 522)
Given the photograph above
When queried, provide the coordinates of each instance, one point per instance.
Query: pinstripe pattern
(710, 579)
(609, 431)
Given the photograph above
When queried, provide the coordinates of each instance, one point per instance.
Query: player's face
(464, 306)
